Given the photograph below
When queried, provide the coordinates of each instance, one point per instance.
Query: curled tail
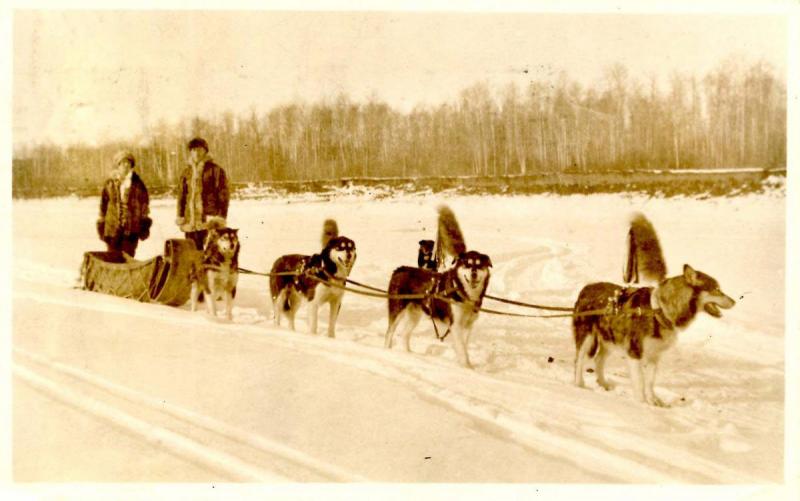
(215, 223)
(645, 261)
(449, 239)
(330, 230)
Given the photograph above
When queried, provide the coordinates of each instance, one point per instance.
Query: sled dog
(454, 295)
(215, 268)
(642, 322)
(333, 264)
(425, 257)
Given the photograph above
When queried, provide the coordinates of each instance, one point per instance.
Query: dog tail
(645, 260)
(449, 239)
(215, 223)
(330, 230)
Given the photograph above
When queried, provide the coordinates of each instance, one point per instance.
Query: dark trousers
(198, 237)
(123, 243)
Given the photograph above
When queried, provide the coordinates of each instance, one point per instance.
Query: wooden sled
(162, 279)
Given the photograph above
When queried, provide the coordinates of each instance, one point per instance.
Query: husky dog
(332, 264)
(643, 322)
(458, 291)
(215, 268)
(425, 258)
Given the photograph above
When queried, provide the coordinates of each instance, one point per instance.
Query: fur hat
(124, 155)
(197, 142)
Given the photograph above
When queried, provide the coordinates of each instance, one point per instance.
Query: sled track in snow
(577, 437)
(229, 464)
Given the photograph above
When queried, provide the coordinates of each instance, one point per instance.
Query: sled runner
(162, 279)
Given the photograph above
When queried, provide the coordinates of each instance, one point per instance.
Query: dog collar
(658, 312)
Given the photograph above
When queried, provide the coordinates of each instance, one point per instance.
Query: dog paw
(606, 385)
(657, 402)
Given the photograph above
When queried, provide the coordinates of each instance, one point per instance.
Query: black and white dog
(215, 268)
(452, 298)
(425, 257)
(305, 278)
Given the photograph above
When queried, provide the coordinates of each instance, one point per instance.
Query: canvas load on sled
(163, 279)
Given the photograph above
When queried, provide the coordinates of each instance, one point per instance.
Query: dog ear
(690, 275)
(488, 261)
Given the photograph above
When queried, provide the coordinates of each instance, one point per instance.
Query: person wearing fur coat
(124, 207)
(202, 193)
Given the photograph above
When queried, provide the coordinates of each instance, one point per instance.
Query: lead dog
(642, 322)
(307, 283)
(458, 291)
(215, 268)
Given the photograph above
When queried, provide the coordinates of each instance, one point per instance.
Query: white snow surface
(248, 401)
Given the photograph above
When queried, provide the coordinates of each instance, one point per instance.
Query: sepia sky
(91, 76)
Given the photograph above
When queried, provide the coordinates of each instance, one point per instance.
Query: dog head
(425, 257)
(222, 245)
(709, 296)
(340, 251)
(472, 270)
(426, 248)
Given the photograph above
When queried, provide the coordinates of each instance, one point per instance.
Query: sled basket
(162, 279)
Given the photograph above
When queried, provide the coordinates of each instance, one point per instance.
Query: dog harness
(444, 288)
(639, 301)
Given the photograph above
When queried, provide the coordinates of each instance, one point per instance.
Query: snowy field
(107, 389)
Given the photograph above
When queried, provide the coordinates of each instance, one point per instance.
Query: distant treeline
(733, 116)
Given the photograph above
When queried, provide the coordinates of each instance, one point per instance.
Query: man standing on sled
(124, 207)
(202, 193)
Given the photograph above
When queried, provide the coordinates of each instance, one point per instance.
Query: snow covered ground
(101, 382)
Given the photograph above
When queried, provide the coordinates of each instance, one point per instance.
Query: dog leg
(599, 367)
(335, 306)
(294, 299)
(277, 308)
(460, 345)
(649, 369)
(229, 305)
(313, 310)
(194, 295)
(389, 336)
(404, 323)
(635, 369)
(211, 302)
(412, 319)
(407, 334)
(580, 357)
(276, 312)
